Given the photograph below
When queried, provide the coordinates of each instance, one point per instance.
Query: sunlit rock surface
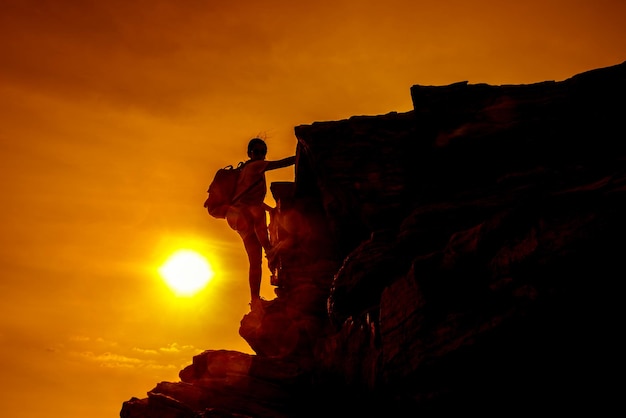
(462, 257)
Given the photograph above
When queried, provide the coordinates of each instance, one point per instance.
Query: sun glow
(186, 272)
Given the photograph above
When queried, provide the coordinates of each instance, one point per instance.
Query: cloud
(109, 354)
(147, 351)
(111, 359)
(175, 348)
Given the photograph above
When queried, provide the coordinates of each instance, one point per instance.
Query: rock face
(465, 256)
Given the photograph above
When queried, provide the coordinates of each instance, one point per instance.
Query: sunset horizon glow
(116, 115)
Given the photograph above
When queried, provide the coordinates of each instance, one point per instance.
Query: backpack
(222, 190)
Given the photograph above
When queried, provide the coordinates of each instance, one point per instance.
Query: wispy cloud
(112, 360)
(175, 348)
(110, 354)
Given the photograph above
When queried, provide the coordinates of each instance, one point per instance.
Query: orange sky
(116, 114)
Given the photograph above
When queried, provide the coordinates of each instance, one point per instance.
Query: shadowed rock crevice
(464, 256)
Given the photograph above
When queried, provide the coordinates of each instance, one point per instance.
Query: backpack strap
(243, 192)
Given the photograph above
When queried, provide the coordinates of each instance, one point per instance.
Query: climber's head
(257, 148)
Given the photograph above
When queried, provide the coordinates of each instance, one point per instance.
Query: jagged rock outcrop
(465, 256)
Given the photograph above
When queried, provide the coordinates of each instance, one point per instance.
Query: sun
(186, 272)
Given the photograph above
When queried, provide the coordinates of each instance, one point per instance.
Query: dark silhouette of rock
(463, 257)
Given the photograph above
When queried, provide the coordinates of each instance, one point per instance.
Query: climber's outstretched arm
(285, 162)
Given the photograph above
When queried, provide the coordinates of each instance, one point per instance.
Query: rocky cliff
(464, 256)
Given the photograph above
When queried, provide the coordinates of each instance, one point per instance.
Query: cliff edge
(465, 256)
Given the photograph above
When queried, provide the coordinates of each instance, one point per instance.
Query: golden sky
(115, 114)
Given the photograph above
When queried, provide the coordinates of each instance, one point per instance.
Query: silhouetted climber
(247, 215)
